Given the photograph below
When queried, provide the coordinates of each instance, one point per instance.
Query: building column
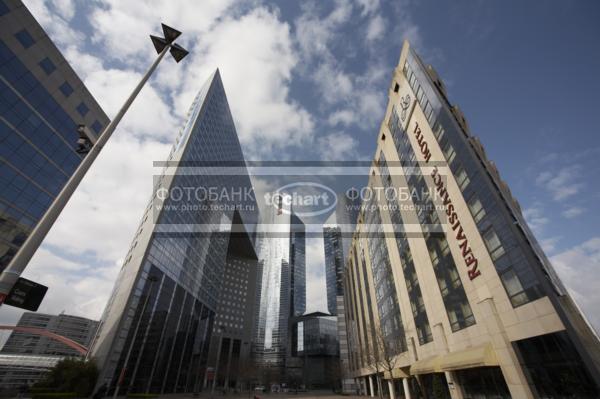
(372, 391)
(391, 389)
(406, 388)
(453, 385)
(512, 371)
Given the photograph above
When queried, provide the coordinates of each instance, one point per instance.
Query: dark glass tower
(42, 101)
(298, 266)
(156, 330)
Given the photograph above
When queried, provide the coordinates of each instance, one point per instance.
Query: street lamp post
(18, 264)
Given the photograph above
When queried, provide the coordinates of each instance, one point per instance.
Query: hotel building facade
(445, 271)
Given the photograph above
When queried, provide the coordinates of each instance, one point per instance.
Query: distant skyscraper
(283, 287)
(42, 101)
(274, 258)
(157, 327)
(334, 264)
(298, 265)
(337, 238)
(79, 329)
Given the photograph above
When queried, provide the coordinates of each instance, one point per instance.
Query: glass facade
(555, 368)
(334, 265)
(156, 329)
(38, 130)
(480, 188)
(276, 252)
(457, 305)
(415, 295)
(298, 266)
(392, 328)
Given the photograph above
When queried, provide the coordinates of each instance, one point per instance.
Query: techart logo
(304, 199)
(404, 104)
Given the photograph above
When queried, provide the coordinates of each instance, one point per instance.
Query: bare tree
(383, 355)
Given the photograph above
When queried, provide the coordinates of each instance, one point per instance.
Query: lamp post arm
(18, 264)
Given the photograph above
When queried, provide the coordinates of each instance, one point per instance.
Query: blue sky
(309, 81)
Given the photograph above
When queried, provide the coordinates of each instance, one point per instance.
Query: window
(449, 153)
(462, 179)
(444, 247)
(493, 244)
(476, 209)
(97, 127)
(412, 80)
(419, 94)
(438, 131)
(514, 289)
(434, 256)
(47, 65)
(82, 109)
(396, 88)
(24, 38)
(428, 112)
(66, 89)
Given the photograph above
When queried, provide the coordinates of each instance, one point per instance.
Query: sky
(308, 81)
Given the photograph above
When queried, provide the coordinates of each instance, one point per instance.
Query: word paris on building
(450, 295)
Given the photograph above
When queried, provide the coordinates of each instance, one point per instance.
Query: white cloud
(376, 28)
(344, 117)
(368, 6)
(122, 27)
(65, 8)
(549, 244)
(338, 146)
(578, 268)
(535, 218)
(561, 184)
(59, 30)
(573, 212)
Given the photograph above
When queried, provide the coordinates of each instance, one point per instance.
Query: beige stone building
(447, 292)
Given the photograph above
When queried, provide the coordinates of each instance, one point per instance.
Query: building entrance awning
(426, 366)
(478, 356)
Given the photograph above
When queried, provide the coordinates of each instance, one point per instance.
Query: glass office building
(42, 101)
(298, 266)
(334, 264)
(282, 292)
(451, 274)
(155, 333)
(337, 237)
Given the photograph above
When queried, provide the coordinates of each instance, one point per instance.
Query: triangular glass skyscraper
(156, 329)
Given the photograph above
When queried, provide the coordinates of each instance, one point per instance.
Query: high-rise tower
(282, 293)
(449, 281)
(42, 101)
(156, 330)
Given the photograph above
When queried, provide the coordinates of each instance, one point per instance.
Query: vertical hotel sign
(453, 219)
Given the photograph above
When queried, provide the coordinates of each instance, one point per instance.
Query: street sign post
(26, 294)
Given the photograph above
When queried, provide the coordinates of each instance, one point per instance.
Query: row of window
(517, 293)
(417, 303)
(26, 40)
(455, 301)
(411, 77)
